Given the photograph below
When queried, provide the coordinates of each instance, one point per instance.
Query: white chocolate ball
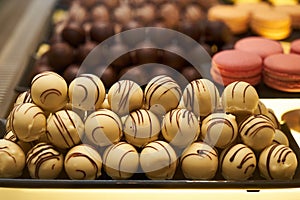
(103, 127)
(49, 91)
(121, 160)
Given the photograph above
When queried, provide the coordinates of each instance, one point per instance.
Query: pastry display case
(75, 40)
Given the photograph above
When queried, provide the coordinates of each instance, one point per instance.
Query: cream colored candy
(261, 109)
(277, 162)
(240, 98)
(121, 160)
(44, 162)
(271, 115)
(257, 132)
(83, 162)
(280, 138)
(180, 127)
(219, 129)
(140, 127)
(26, 146)
(103, 127)
(162, 94)
(237, 162)
(158, 160)
(201, 97)
(86, 92)
(24, 97)
(199, 161)
(28, 122)
(12, 159)
(49, 91)
(124, 97)
(64, 129)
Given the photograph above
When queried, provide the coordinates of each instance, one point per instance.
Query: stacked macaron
(295, 46)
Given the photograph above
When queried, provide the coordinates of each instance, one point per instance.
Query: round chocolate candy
(60, 56)
(132, 39)
(100, 31)
(74, 34)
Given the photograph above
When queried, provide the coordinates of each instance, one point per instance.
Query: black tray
(140, 180)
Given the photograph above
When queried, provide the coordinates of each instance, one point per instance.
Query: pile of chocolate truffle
(87, 131)
(85, 24)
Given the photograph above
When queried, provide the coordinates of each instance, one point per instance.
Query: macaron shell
(295, 46)
(258, 45)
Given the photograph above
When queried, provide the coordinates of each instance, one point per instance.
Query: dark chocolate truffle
(74, 34)
(123, 14)
(191, 29)
(171, 57)
(100, 31)
(193, 13)
(39, 68)
(84, 50)
(100, 13)
(190, 73)
(134, 73)
(146, 14)
(108, 75)
(170, 14)
(146, 53)
(216, 32)
(132, 39)
(60, 55)
(70, 73)
(157, 37)
(124, 59)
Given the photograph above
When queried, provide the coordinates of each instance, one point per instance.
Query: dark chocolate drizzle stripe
(265, 121)
(190, 98)
(244, 92)
(92, 161)
(128, 85)
(181, 113)
(256, 127)
(85, 92)
(268, 165)
(216, 97)
(12, 118)
(166, 150)
(233, 89)
(283, 152)
(217, 120)
(48, 92)
(81, 171)
(201, 153)
(45, 74)
(155, 85)
(247, 157)
(3, 149)
(94, 82)
(121, 159)
(27, 97)
(110, 148)
(42, 153)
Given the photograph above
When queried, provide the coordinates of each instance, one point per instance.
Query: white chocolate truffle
(83, 162)
(12, 159)
(26, 146)
(180, 127)
(120, 161)
(24, 97)
(239, 97)
(103, 127)
(28, 122)
(219, 129)
(280, 138)
(158, 160)
(49, 91)
(86, 92)
(199, 161)
(271, 115)
(64, 129)
(124, 97)
(162, 94)
(277, 162)
(261, 109)
(44, 162)
(237, 162)
(257, 132)
(201, 97)
(141, 127)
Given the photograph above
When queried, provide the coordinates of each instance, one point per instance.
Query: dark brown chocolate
(100, 31)
(71, 72)
(74, 34)
(60, 55)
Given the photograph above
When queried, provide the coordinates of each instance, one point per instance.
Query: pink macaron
(262, 46)
(282, 72)
(235, 65)
(295, 46)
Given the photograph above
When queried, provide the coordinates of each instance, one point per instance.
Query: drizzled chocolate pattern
(43, 154)
(5, 150)
(170, 160)
(245, 158)
(234, 88)
(254, 124)
(201, 153)
(44, 95)
(182, 114)
(124, 89)
(139, 117)
(44, 74)
(94, 82)
(219, 120)
(159, 82)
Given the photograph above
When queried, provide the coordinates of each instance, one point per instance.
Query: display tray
(140, 180)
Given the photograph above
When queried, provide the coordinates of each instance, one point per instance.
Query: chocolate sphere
(135, 38)
(84, 50)
(39, 68)
(60, 55)
(193, 13)
(124, 59)
(191, 29)
(100, 31)
(100, 13)
(146, 53)
(70, 73)
(108, 75)
(123, 14)
(190, 73)
(134, 73)
(157, 37)
(170, 14)
(111, 3)
(216, 32)
(74, 34)
(146, 14)
(172, 58)
(88, 3)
